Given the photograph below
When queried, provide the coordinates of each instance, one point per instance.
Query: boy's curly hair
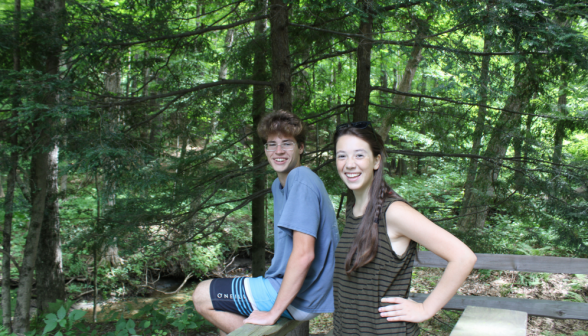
(282, 122)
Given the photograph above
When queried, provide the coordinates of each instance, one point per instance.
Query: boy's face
(283, 160)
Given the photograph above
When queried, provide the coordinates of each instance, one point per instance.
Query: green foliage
(576, 333)
(5, 332)
(184, 318)
(579, 282)
(575, 297)
(124, 328)
(189, 319)
(151, 320)
(531, 279)
(63, 322)
(526, 249)
(577, 147)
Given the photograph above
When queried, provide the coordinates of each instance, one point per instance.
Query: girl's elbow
(471, 259)
(466, 260)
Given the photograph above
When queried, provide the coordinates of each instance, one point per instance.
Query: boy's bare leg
(226, 322)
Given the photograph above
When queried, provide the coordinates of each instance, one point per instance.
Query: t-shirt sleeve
(301, 211)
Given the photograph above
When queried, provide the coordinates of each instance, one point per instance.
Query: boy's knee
(201, 297)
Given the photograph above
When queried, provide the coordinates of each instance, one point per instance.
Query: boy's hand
(262, 318)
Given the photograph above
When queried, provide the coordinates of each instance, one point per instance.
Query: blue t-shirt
(303, 205)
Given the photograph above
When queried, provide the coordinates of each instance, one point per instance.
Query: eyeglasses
(286, 145)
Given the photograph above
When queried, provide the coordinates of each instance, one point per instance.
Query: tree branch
(188, 34)
(174, 292)
(153, 116)
(314, 60)
(411, 43)
(211, 12)
(449, 100)
(131, 101)
(472, 156)
(402, 5)
(326, 112)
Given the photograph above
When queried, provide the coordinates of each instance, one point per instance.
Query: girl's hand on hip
(403, 310)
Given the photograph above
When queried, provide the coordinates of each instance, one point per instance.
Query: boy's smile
(283, 160)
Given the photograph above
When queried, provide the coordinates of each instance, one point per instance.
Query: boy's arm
(296, 270)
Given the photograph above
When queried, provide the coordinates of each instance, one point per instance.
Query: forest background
(128, 150)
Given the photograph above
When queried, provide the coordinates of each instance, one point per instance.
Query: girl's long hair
(365, 245)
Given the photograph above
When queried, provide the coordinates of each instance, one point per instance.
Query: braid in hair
(384, 190)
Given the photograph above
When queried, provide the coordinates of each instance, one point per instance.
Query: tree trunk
(483, 188)
(7, 234)
(364, 52)
(39, 173)
(50, 278)
(479, 129)
(258, 215)
(52, 14)
(401, 168)
(111, 255)
(560, 126)
(281, 73)
(222, 73)
(517, 145)
(404, 86)
(16, 52)
(112, 86)
(144, 134)
(10, 187)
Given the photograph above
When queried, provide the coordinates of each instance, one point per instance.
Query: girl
(374, 258)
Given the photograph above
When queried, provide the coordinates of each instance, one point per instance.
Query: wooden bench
(282, 328)
(482, 321)
(483, 315)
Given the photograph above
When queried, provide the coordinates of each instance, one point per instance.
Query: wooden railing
(507, 262)
(499, 262)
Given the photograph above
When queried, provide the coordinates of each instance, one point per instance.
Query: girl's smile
(355, 162)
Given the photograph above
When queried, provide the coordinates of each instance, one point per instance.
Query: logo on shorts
(230, 296)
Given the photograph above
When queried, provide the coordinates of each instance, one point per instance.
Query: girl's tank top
(357, 296)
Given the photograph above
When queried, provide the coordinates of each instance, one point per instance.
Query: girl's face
(355, 162)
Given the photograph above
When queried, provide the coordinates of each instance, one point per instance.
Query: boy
(299, 283)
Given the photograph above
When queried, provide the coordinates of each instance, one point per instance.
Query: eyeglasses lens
(272, 146)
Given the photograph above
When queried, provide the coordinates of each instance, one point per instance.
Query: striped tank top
(357, 296)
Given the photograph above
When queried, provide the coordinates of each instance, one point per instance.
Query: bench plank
(481, 321)
(509, 262)
(545, 308)
(281, 328)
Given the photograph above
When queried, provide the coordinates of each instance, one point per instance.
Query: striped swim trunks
(244, 295)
